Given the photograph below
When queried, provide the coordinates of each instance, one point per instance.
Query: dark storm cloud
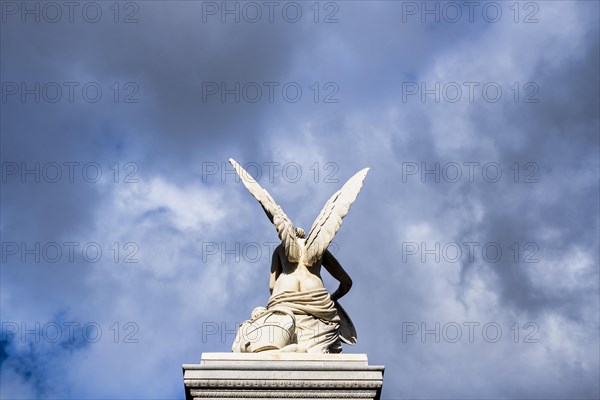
(560, 139)
(168, 64)
(170, 123)
(369, 53)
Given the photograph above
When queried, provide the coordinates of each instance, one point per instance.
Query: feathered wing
(330, 219)
(284, 226)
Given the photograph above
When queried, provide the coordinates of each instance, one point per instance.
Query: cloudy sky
(129, 248)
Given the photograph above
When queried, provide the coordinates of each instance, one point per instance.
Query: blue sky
(129, 248)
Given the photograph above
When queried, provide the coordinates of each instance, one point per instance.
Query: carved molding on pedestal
(282, 376)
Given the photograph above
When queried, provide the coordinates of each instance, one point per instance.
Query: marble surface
(301, 316)
(277, 375)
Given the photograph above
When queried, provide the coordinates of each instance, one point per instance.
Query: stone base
(276, 375)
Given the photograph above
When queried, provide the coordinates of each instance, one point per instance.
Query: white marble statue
(301, 316)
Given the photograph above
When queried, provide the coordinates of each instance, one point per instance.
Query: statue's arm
(335, 269)
(275, 269)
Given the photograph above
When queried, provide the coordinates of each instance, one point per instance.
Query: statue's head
(299, 232)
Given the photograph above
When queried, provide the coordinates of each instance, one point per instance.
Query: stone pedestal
(271, 375)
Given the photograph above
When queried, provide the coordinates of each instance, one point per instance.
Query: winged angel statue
(301, 316)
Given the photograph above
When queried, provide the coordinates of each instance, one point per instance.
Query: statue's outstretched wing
(284, 226)
(330, 219)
